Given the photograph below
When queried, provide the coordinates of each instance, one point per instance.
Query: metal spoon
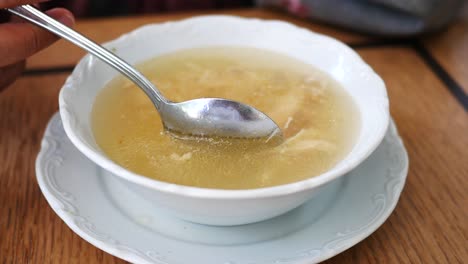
(210, 117)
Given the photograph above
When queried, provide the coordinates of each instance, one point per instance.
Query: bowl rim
(210, 193)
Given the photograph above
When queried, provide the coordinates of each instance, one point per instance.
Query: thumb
(62, 15)
(21, 40)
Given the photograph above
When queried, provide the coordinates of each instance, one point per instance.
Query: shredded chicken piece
(288, 122)
(320, 145)
(288, 106)
(295, 137)
(183, 157)
(297, 143)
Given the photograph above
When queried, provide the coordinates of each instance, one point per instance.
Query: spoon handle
(40, 19)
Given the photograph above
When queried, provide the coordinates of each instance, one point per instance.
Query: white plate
(124, 225)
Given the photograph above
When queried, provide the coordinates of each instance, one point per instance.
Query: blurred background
(394, 18)
(95, 8)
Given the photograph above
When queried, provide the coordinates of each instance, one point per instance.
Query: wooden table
(427, 81)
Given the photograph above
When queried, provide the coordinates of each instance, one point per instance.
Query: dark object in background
(125, 7)
(4, 16)
(396, 18)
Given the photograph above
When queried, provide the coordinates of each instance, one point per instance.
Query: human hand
(19, 39)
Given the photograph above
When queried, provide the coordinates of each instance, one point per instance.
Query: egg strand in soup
(319, 119)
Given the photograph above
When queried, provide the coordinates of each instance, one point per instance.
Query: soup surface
(318, 118)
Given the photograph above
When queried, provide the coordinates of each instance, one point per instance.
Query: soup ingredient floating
(319, 120)
(200, 117)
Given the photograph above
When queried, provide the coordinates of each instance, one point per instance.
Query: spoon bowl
(215, 116)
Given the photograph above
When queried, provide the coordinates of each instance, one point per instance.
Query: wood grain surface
(429, 224)
(450, 48)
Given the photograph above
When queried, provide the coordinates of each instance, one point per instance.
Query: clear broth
(319, 119)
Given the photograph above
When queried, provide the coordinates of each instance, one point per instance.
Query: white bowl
(215, 206)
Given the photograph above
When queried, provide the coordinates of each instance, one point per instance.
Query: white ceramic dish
(224, 207)
(105, 213)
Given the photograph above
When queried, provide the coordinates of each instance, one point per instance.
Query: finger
(20, 40)
(8, 74)
(12, 3)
